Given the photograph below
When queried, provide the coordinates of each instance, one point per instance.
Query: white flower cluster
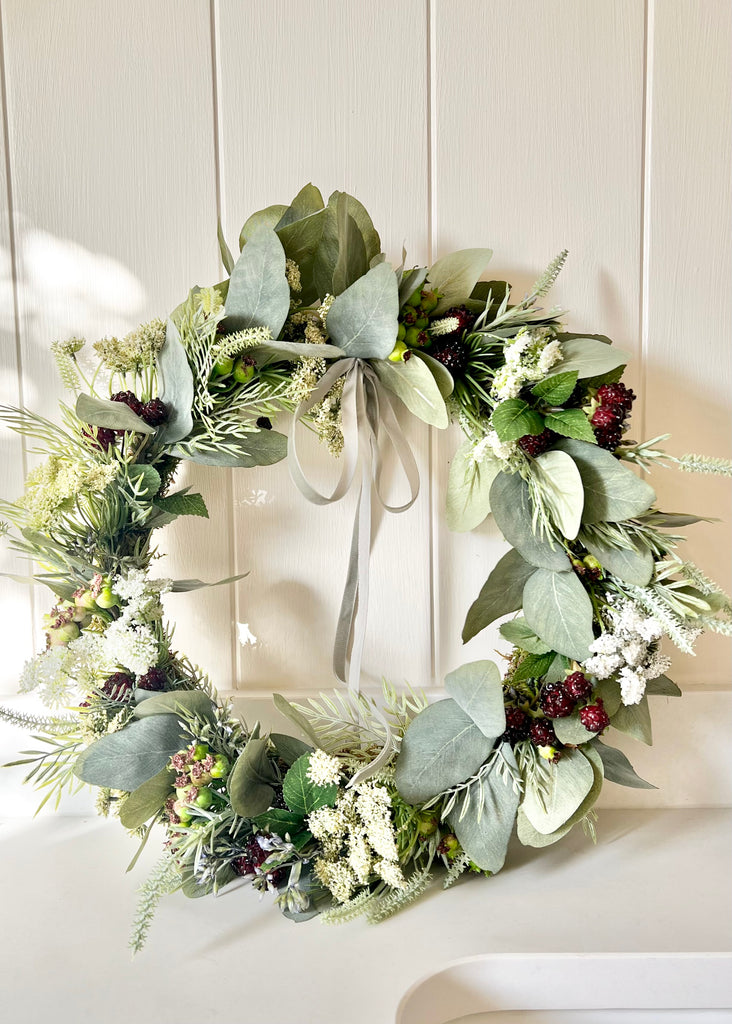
(491, 446)
(358, 840)
(62, 673)
(323, 769)
(141, 596)
(129, 640)
(528, 357)
(628, 648)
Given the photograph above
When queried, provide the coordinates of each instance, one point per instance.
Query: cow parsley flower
(133, 647)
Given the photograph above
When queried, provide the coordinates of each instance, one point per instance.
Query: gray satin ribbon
(366, 412)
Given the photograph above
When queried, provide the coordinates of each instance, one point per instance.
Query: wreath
(356, 813)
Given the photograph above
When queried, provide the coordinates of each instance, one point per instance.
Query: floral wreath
(356, 813)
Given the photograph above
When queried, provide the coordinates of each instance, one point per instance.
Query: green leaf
(609, 691)
(250, 782)
(126, 759)
(529, 836)
(662, 686)
(561, 487)
(514, 418)
(147, 799)
(565, 786)
(485, 828)
(556, 390)
(352, 262)
(186, 586)
(456, 274)
(226, 258)
(144, 481)
(469, 489)
(416, 387)
(291, 351)
(100, 412)
(557, 608)
(308, 200)
(410, 282)
(359, 213)
(173, 702)
(303, 796)
(501, 594)
(279, 821)
(183, 504)
(618, 768)
(300, 240)
(513, 512)
(589, 357)
(263, 220)
(632, 565)
(558, 669)
(634, 720)
(533, 666)
(176, 389)
(520, 634)
(441, 748)
(612, 491)
(363, 319)
(259, 295)
(571, 730)
(571, 423)
(289, 748)
(296, 717)
(443, 377)
(478, 690)
(261, 448)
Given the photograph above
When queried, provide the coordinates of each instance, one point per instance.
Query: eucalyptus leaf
(571, 423)
(469, 489)
(289, 748)
(173, 702)
(259, 295)
(485, 828)
(564, 786)
(308, 200)
(634, 720)
(520, 634)
(478, 690)
(147, 799)
(558, 609)
(612, 491)
(632, 565)
(513, 512)
(501, 594)
(515, 418)
(363, 319)
(279, 821)
(557, 671)
(589, 357)
(303, 796)
(263, 220)
(441, 748)
(609, 692)
(100, 412)
(186, 586)
(291, 351)
(226, 258)
(416, 387)
(555, 390)
(352, 261)
(126, 759)
(571, 730)
(561, 487)
(176, 390)
(530, 836)
(618, 768)
(261, 448)
(300, 240)
(456, 274)
(251, 779)
(358, 211)
(662, 686)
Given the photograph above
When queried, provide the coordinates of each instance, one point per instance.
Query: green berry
(243, 369)
(204, 799)
(200, 751)
(397, 353)
(223, 368)
(411, 338)
(106, 598)
(422, 322)
(221, 767)
(415, 298)
(429, 300)
(401, 332)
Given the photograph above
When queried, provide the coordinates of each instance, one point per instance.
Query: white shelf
(658, 881)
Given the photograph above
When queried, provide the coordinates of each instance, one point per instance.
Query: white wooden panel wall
(528, 126)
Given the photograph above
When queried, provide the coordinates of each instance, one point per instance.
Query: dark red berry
(117, 686)
(542, 733)
(594, 717)
(555, 702)
(252, 859)
(578, 686)
(101, 437)
(154, 679)
(535, 444)
(616, 394)
(154, 412)
(517, 726)
(608, 437)
(452, 353)
(607, 416)
(130, 399)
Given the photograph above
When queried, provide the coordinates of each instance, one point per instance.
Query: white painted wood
(16, 604)
(334, 93)
(537, 135)
(112, 149)
(687, 296)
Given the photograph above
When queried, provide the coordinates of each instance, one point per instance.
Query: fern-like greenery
(29, 722)
(398, 899)
(164, 879)
(344, 913)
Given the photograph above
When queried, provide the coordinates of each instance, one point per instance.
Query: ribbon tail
(352, 618)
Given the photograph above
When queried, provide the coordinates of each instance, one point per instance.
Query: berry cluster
(154, 413)
(414, 318)
(254, 856)
(200, 782)
(450, 349)
(609, 418)
(536, 444)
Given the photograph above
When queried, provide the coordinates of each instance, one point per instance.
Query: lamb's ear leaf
(100, 412)
(414, 384)
(530, 836)
(564, 787)
(456, 274)
(589, 357)
(561, 487)
(469, 489)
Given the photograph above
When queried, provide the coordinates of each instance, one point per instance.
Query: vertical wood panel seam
(432, 445)
(12, 242)
(645, 205)
(218, 177)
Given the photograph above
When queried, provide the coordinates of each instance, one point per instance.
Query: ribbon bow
(367, 412)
